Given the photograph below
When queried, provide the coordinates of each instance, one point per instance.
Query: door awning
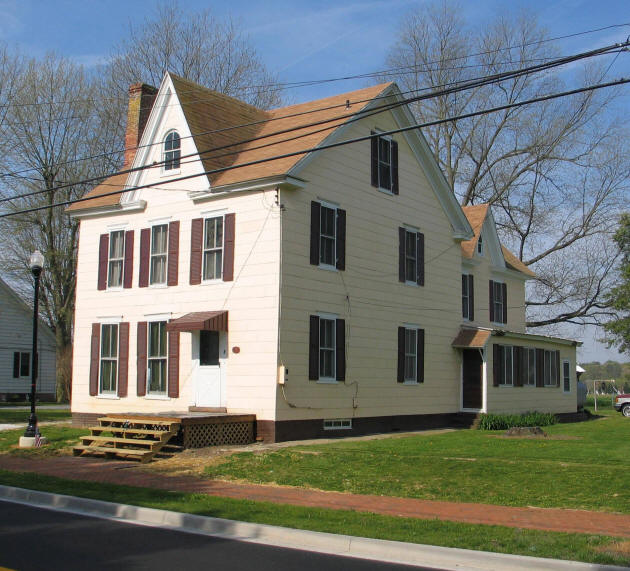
(471, 338)
(200, 321)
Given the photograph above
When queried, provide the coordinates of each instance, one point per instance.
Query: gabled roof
(206, 110)
(477, 215)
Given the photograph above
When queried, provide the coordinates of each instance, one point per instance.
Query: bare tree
(556, 171)
(52, 119)
(197, 46)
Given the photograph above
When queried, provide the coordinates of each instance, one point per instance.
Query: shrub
(505, 421)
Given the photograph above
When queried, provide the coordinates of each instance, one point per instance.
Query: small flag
(38, 439)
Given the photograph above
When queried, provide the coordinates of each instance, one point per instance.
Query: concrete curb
(328, 543)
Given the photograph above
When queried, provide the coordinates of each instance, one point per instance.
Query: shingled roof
(476, 217)
(207, 112)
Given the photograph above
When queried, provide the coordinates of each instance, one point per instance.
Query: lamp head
(37, 261)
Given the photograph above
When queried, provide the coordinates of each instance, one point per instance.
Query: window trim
(568, 379)
(210, 216)
(413, 381)
(390, 141)
(114, 391)
(152, 256)
(149, 393)
(177, 153)
(416, 232)
(121, 259)
(333, 318)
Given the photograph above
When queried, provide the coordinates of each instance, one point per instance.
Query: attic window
(171, 151)
(480, 245)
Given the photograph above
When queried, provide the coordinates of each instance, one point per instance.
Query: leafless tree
(52, 119)
(197, 46)
(556, 172)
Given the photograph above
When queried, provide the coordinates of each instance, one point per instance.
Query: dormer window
(480, 245)
(172, 151)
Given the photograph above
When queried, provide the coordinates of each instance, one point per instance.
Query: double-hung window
(172, 151)
(115, 263)
(566, 376)
(504, 369)
(530, 377)
(328, 236)
(159, 254)
(109, 359)
(411, 355)
(213, 248)
(327, 350)
(480, 245)
(468, 297)
(384, 163)
(411, 256)
(498, 302)
(157, 357)
(551, 368)
(21, 364)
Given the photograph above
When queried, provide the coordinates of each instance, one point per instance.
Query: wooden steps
(129, 437)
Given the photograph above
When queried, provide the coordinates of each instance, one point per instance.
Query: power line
(485, 80)
(549, 97)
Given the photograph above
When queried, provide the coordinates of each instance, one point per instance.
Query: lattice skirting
(200, 435)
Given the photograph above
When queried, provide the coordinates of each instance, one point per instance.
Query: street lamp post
(37, 264)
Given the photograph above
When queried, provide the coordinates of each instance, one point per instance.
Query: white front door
(209, 352)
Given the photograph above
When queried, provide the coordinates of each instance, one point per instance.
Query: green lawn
(60, 437)
(43, 415)
(586, 467)
(588, 548)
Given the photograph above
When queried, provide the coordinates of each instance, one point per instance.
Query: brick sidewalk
(125, 473)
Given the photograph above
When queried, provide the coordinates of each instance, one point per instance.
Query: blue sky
(304, 40)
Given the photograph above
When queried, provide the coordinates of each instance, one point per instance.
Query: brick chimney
(141, 98)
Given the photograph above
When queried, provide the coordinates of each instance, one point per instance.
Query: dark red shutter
(145, 254)
(173, 253)
(420, 261)
(557, 357)
(228, 248)
(374, 158)
(471, 298)
(341, 239)
(103, 251)
(123, 358)
(491, 301)
(340, 353)
(315, 223)
(540, 368)
(394, 148)
(400, 376)
(505, 302)
(497, 361)
(420, 356)
(128, 271)
(173, 364)
(401, 255)
(95, 358)
(16, 365)
(517, 366)
(196, 248)
(313, 349)
(141, 344)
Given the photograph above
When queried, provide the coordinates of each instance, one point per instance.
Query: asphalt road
(40, 539)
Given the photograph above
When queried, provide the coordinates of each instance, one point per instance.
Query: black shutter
(420, 258)
(497, 365)
(505, 302)
(557, 357)
(16, 365)
(341, 239)
(315, 228)
(420, 356)
(374, 158)
(95, 353)
(517, 360)
(491, 301)
(401, 355)
(340, 353)
(401, 255)
(394, 153)
(313, 349)
(471, 298)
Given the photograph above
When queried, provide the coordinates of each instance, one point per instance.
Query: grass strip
(43, 415)
(569, 546)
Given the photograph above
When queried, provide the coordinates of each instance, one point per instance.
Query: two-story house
(251, 261)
